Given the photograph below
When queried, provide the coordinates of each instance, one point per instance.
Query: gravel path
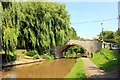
(92, 71)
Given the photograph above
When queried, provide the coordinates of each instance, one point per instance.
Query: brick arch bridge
(88, 45)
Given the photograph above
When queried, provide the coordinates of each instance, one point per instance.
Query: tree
(117, 35)
(108, 36)
(35, 26)
(6, 4)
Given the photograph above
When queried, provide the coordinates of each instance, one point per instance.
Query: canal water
(47, 69)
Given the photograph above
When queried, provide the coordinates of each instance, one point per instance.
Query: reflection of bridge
(89, 45)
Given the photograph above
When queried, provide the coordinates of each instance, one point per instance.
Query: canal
(58, 68)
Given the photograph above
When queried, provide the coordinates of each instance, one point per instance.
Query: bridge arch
(68, 46)
(88, 45)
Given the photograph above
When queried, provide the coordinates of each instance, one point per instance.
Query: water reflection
(47, 69)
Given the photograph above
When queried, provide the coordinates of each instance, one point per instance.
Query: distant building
(110, 45)
(106, 44)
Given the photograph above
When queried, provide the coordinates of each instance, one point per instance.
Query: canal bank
(22, 61)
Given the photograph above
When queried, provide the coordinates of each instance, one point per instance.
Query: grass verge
(77, 72)
(106, 60)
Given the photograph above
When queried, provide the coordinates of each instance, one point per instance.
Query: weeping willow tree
(36, 25)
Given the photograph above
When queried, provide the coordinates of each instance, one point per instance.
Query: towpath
(92, 71)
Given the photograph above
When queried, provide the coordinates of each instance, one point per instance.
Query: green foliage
(10, 38)
(48, 56)
(20, 52)
(117, 35)
(110, 55)
(35, 25)
(106, 35)
(6, 4)
(37, 56)
(73, 50)
(9, 57)
(34, 54)
(106, 59)
(110, 36)
(77, 71)
(72, 33)
(31, 53)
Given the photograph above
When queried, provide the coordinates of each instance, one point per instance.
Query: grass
(77, 72)
(106, 59)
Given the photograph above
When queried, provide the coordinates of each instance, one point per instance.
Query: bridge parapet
(90, 45)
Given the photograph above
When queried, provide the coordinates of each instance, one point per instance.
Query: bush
(48, 56)
(67, 54)
(32, 53)
(9, 57)
(37, 56)
(109, 54)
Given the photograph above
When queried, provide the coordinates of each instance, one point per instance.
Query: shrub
(37, 56)
(48, 56)
(109, 54)
(9, 57)
(31, 53)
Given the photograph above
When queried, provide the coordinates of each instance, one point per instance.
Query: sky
(92, 11)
